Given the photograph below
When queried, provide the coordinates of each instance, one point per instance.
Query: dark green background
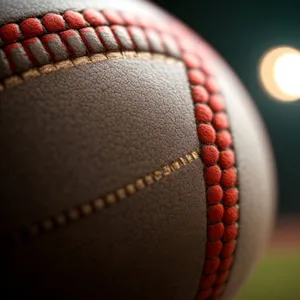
(242, 31)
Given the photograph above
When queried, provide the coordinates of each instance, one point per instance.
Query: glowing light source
(280, 73)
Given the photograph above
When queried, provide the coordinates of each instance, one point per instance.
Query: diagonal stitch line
(15, 80)
(98, 204)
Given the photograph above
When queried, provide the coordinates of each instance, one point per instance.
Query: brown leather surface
(256, 173)
(120, 119)
(72, 135)
(149, 246)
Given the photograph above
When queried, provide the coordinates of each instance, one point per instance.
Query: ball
(134, 164)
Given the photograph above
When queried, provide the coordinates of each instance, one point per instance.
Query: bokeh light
(280, 73)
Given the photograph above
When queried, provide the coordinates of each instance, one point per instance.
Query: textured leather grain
(73, 135)
(120, 119)
(144, 247)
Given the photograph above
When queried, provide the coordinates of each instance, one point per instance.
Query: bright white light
(287, 73)
(280, 73)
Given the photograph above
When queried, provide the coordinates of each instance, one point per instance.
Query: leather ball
(134, 164)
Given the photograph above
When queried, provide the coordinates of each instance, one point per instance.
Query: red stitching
(212, 124)
(221, 178)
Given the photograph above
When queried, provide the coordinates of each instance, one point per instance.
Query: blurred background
(246, 33)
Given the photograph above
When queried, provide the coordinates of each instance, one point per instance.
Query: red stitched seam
(32, 59)
(138, 22)
(212, 284)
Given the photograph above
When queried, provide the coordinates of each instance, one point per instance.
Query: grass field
(277, 277)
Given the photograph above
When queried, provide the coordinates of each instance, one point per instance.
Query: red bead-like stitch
(230, 197)
(120, 31)
(211, 265)
(213, 248)
(66, 35)
(215, 213)
(203, 113)
(204, 294)
(74, 19)
(228, 249)
(54, 22)
(26, 45)
(208, 281)
(10, 33)
(89, 30)
(170, 45)
(199, 94)
(230, 232)
(95, 18)
(225, 264)
(191, 61)
(212, 175)
(227, 159)
(215, 231)
(196, 77)
(231, 215)
(206, 134)
(222, 277)
(154, 40)
(228, 177)
(216, 103)
(212, 85)
(47, 39)
(220, 121)
(223, 139)
(113, 17)
(8, 51)
(214, 194)
(138, 38)
(31, 27)
(210, 155)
